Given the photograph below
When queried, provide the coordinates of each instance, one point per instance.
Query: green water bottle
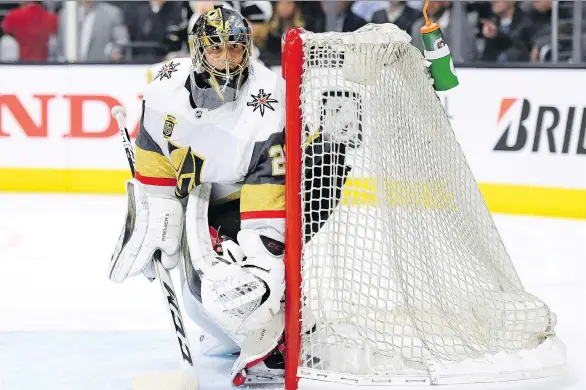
(438, 53)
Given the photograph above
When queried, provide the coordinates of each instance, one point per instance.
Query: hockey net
(395, 273)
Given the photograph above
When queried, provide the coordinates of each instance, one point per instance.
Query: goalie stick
(186, 378)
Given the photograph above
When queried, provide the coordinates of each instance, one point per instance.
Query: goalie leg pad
(201, 252)
(227, 292)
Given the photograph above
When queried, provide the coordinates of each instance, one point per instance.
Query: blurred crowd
(152, 31)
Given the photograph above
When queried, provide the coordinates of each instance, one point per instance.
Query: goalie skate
(267, 369)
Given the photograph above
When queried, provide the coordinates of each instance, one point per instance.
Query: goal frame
(292, 70)
(465, 372)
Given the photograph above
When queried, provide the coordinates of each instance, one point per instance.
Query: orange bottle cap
(426, 29)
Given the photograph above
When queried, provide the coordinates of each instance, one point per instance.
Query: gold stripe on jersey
(262, 197)
(153, 164)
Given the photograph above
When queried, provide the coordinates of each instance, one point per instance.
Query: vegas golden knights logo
(168, 125)
(188, 168)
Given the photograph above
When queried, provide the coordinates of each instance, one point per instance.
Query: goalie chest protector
(224, 138)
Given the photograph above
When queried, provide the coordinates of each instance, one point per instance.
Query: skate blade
(260, 378)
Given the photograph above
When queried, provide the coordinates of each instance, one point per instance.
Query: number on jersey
(277, 155)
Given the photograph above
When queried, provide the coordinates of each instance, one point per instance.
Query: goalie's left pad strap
(153, 222)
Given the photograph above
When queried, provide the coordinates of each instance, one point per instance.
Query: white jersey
(237, 147)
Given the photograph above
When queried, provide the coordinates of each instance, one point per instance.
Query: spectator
(398, 13)
(286, 15)
(541, 39)
(346, 20)
(478, 11)
(153, 27)
(31, 25)
(440, 12)
(101, 32)
(508, 34)
(540, 16)
(5, 7)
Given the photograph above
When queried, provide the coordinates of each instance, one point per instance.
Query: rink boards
(522, 132)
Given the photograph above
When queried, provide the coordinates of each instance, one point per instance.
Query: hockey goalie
(209, 193)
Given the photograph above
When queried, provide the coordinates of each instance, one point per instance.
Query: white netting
(409, 268)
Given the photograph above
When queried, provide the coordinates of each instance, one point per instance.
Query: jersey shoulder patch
(166, 69)
(167, 79)
(266, 102)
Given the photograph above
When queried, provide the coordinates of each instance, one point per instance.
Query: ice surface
(65, 326)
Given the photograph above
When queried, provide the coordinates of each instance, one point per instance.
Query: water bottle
(438, 53)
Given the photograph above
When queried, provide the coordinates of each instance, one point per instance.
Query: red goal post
(292, 65)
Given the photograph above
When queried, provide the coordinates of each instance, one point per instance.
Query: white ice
(65, 326)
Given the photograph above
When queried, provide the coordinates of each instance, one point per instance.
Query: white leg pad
(215, 275)
(228, 292)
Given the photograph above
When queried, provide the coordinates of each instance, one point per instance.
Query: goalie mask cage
(395, 271)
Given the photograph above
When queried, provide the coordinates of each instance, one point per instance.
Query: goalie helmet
(220, 44)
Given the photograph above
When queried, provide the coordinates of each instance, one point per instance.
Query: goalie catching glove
(153, 222)
(264, 259)
(249, 284)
